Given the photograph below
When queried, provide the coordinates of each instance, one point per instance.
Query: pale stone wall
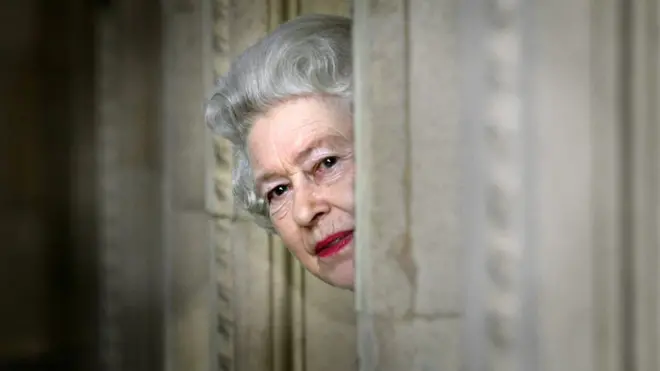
(408, 261)
(507, 189)
(508, 183)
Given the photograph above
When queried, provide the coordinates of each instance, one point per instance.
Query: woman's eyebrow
(329, 139)
(300, 157)
(261, 178)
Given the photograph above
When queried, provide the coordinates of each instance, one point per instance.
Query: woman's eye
(277, 192)
(329, 162)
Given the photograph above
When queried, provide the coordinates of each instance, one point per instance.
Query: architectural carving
(505, 226)
(222, 208)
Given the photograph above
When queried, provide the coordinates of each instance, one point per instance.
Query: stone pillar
(512, 147)
(640, 123)
(406, 123)
(187, 76)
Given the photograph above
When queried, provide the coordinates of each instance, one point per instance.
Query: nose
(308, 205)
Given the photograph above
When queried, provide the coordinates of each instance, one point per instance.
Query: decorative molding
(504, 182)
(222, 203)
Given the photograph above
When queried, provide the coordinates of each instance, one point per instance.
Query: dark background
(48, 282)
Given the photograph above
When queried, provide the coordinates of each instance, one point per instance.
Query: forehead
(290, 128)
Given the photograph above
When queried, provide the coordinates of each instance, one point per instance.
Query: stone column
(641, 180)
(514, 144)
(406, 122)
(187, 76)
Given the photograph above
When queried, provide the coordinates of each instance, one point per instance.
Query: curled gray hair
(310, 55)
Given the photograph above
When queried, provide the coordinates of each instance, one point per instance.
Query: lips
(333, 244)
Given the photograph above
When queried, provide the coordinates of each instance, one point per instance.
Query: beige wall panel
(561, 91)
(330, 333)
(251, 292)
(187, 65)
(607, 189)
(656, 68)
(249, 22)
(184, 90)
(407, 294)
(644, 100)
(191, 290)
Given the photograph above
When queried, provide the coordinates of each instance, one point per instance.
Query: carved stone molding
(505, 189)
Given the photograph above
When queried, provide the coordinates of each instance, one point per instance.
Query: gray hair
(310, 55)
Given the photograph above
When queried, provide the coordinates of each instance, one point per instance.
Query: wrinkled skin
(301, 152)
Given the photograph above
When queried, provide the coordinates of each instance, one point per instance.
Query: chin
(346, 283)
(347, 286)
(342, 276)
(340, 284)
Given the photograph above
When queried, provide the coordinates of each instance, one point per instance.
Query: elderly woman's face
(302, 156)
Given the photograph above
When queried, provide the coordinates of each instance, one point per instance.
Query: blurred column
(187, 76)
(130, 194)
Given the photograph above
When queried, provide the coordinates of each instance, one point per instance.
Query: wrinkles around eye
(276, 206)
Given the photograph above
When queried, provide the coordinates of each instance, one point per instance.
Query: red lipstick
(333, 244)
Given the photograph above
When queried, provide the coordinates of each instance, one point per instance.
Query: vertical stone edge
(190, 275)
(607, 190)
(367, 347)
(381, 95)
(644, 119)
(657, 192)
(392, 333)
